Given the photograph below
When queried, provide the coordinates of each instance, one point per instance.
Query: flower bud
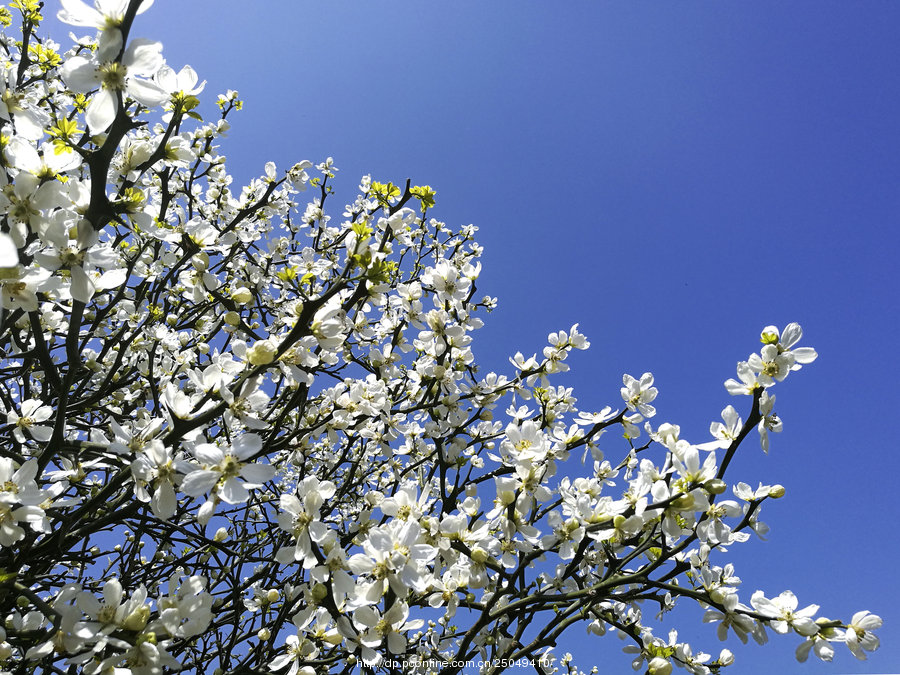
(273, 595)
(769, 335)
(776, 491)
(137, 619)
(319, 592)
(221, 534)
(200, 261)
(715, 486)
(684, 503)
(148, 637)
(826, 628)
(659, 666)
(242, 295)
(263, 634)
(261, 353)
(479, 556)
(205, 512)
(232, 318)
(726, 658)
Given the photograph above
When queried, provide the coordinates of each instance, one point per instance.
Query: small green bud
(715, 486)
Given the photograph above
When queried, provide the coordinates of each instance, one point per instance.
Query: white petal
(41, 434)
(164, 502)
(30, 124)
(111, 8)
(234, 492)
(791, 335)
(291, 504)
(82, 288)
(112, 593)
(804, 354)
(109, 44)
(80, 74)
(143, 57)
(209, 453)
(9, 254)
(187, 78)
(146, 92)
(62, 161)
(101, 111)
(247, 445)
(167, 79)
(23, 155)
(111, 279)
(199, 482)
(258, 473)
(76, 13)
(48, 196)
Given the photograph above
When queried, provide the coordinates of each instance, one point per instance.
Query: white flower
(294, 654)
(142, 58)
(30, 120)
(224, 469)
(33, 412)
(783, 614)
(106, 16)
(725, 433)
(394, 560)
(187, 610)
(659, 666)
(25, 203)
(328, 327)
(183, 82)
(301, 517)
(769, 422)
(638, 394)
(819, 645)
(770, 365)
(19, 499)
(114, 611)
(19, 287)
(379, 628)
(859, 636)
(156, 466)
(404, 504)
(51, 161)
(785, 343)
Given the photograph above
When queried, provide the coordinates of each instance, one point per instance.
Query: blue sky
(673, 177)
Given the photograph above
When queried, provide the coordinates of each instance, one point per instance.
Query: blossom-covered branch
(245, 431)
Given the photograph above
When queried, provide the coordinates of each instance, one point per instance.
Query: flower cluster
(247, 433)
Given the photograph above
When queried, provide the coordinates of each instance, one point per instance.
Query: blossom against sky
(674, 178)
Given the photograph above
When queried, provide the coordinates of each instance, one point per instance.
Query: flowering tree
(243, 436)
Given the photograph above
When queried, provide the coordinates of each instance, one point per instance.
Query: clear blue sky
(672, 176)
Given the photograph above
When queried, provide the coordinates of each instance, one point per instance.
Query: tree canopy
(246, 433)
